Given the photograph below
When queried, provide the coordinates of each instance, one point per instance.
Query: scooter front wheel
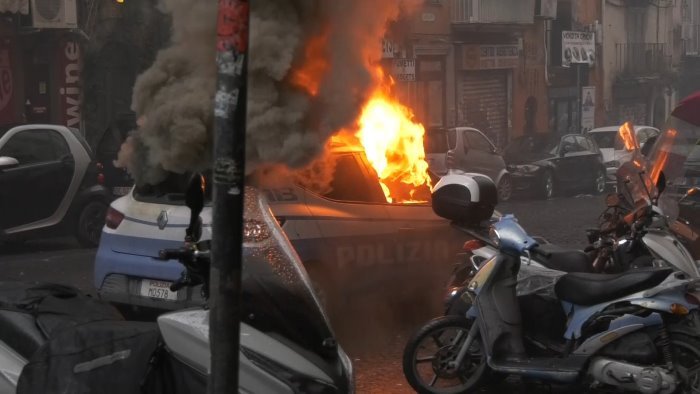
(428, 359)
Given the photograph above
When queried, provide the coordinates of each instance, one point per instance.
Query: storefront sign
(388, 49)
(6, 87)
(577, 47)
(404, 69)
(69, 82)
(490, 57)
(587, 108)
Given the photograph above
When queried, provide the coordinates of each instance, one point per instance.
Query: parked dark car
(547, 165)
(50, 184)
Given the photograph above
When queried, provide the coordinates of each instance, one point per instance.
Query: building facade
(40, 63)
(513, 67)
(74, 62)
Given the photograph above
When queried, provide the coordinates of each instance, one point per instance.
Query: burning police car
(351, 240)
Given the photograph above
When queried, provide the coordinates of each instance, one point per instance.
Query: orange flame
(310, 74)
(393, 144)
(628, 137)
(392, 141)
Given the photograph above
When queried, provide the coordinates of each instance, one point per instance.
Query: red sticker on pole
(232, 25)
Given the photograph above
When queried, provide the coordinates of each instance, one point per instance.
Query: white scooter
(54, 339)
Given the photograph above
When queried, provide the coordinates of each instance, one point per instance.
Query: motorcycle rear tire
(479, 377)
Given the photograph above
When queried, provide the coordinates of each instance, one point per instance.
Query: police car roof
(341, 147)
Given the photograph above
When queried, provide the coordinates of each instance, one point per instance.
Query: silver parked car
(470, 151)
(612, 148)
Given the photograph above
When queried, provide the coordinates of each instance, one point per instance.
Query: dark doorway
(37, 88)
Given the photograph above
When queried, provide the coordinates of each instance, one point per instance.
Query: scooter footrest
(563, 370)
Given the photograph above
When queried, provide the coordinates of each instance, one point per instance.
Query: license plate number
(157, 289)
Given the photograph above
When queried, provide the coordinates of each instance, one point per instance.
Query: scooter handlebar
(174, 254)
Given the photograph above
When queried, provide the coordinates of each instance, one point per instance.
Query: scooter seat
(591, 289)
(19, 331)
(567, 260)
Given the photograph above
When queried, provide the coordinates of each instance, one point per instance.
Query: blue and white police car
(350, 238)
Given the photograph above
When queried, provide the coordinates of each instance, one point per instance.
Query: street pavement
(376, 356)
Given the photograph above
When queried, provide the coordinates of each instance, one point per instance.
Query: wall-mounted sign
(428, 17)
(404, 69)
(587, 108)
(577, 47)
(489, 57)
(389, 48)
(70, 67)
(6, 87)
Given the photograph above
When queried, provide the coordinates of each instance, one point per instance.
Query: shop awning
(15, 6)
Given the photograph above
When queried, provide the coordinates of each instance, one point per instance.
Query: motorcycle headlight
(495, 238)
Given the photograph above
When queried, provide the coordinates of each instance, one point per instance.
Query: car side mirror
(563, 151)
(194, 199)
(7, 162)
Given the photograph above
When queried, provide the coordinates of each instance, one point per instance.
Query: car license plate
(157, 289)
(120, 191)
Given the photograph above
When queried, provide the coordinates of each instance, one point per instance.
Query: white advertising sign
(404, 69)
(577, 47)
(587, 108)
(388, 49)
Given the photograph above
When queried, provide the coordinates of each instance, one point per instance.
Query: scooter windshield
(675, 151)
(633, 179)
(277, 295)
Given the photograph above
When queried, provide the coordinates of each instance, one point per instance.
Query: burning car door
(353, 221)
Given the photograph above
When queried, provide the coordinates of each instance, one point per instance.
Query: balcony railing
(691, 39)
(493, 11)
(640, 60)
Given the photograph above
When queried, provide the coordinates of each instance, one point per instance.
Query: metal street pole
(228, 176)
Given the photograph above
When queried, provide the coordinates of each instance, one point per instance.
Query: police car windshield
(170, 191)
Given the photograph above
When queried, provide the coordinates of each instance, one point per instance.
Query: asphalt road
(377, 356)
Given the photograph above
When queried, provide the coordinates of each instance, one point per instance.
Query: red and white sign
(70, 68)
(6, 87)
(8, 112)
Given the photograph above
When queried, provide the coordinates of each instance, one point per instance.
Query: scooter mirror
(661, 183)
(194, 199)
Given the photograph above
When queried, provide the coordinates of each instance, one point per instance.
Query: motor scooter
(634, 330)
(287, 345)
